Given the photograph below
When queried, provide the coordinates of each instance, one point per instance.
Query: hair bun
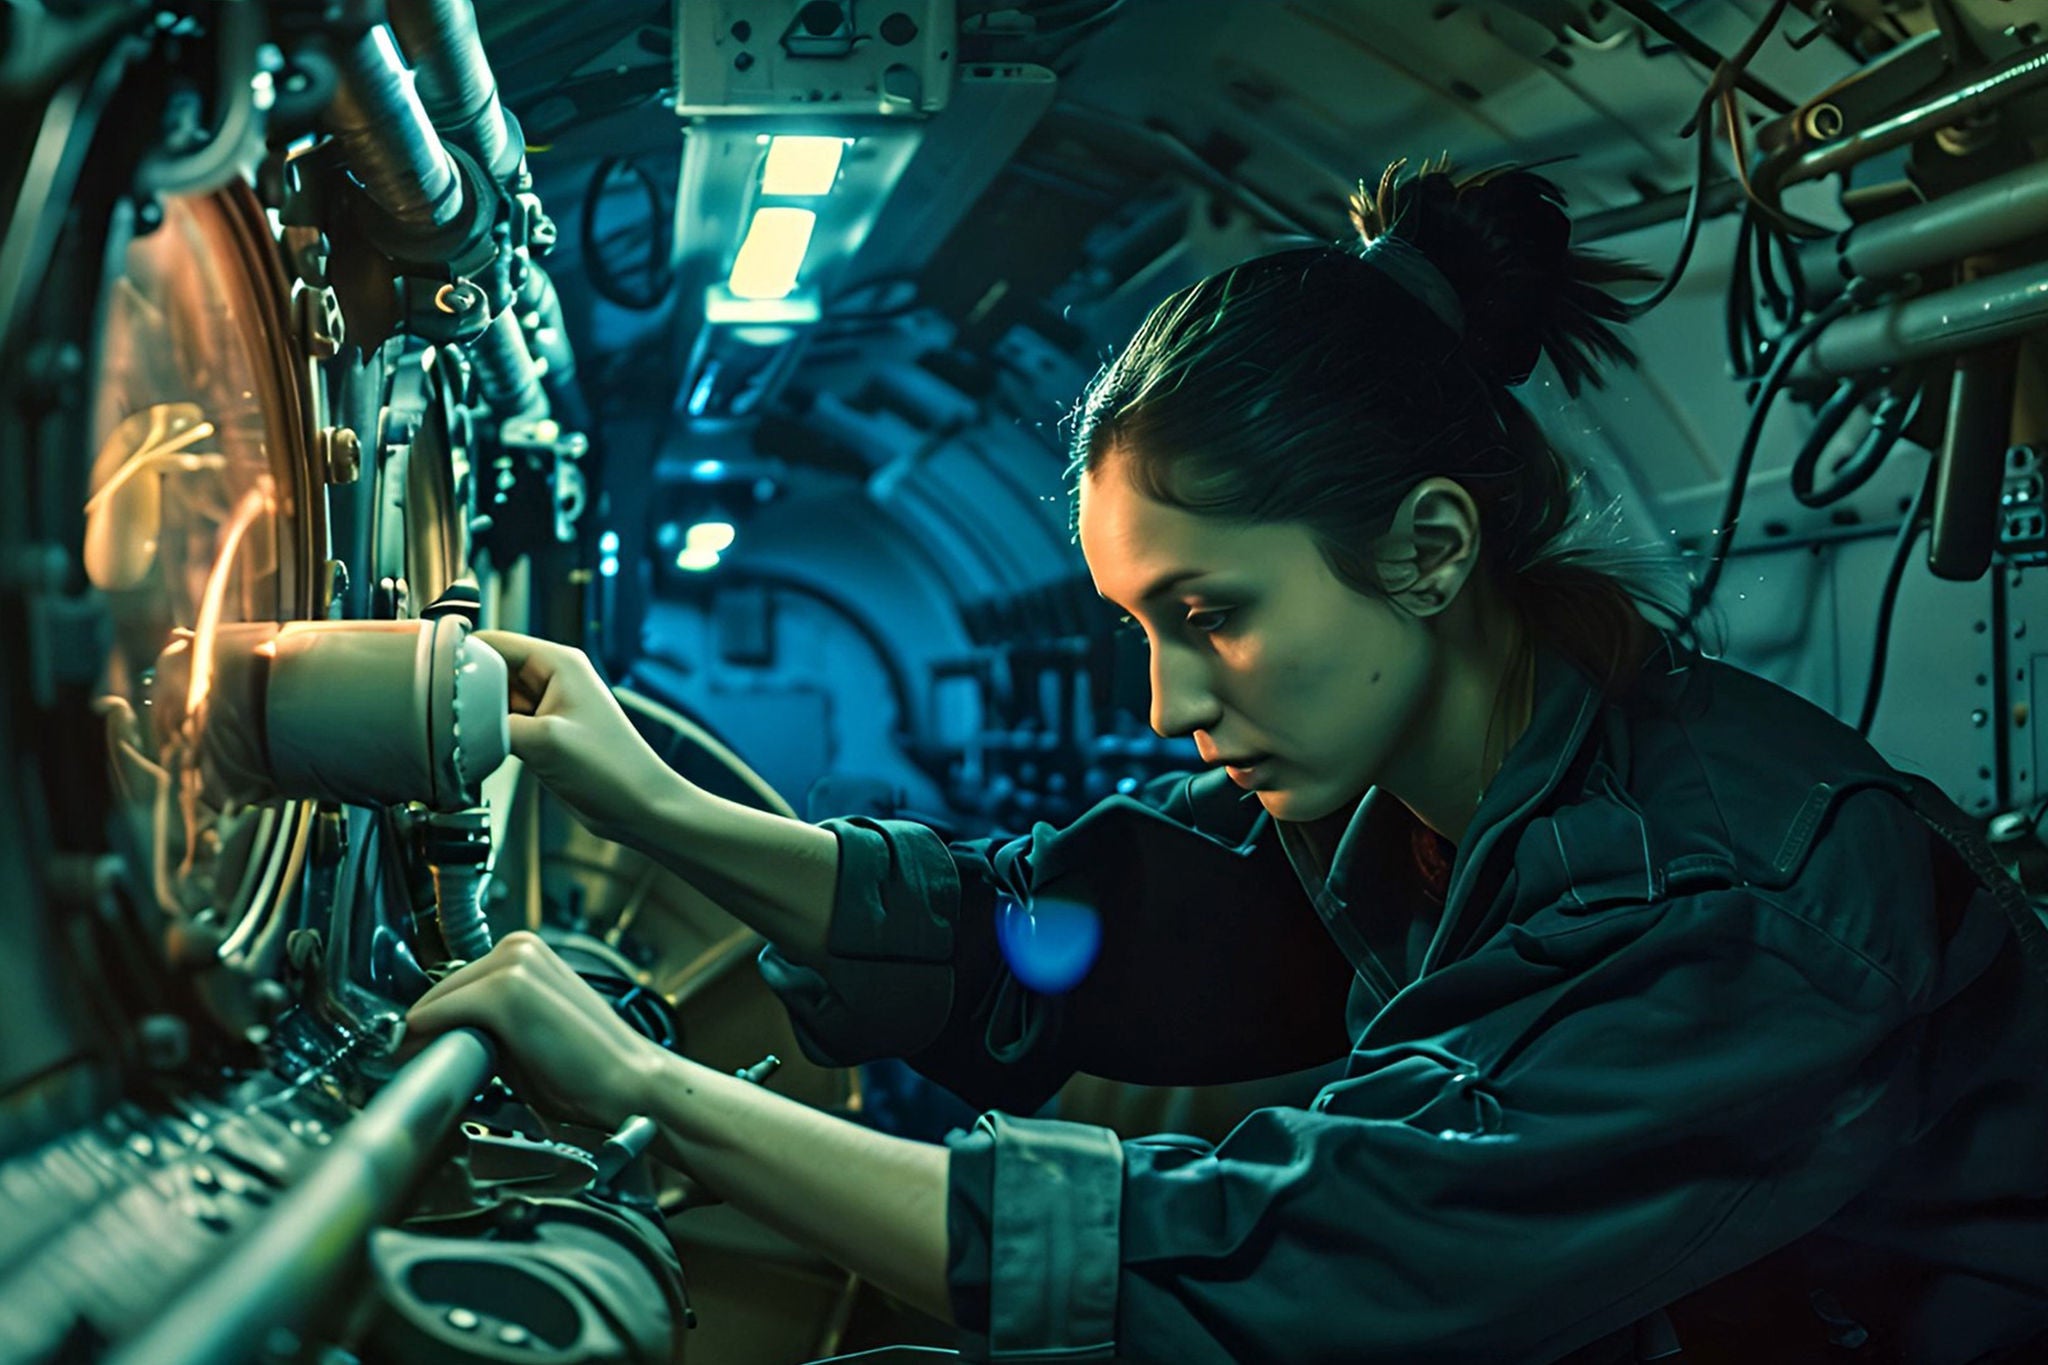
(1502, 239)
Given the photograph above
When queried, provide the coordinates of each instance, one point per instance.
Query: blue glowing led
(608, 543)
(708, 471)
(1050, 944)
(1127, 785)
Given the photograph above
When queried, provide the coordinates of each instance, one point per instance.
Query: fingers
(431, 1013)
(529, 735)
(532, 663)
(516, 648)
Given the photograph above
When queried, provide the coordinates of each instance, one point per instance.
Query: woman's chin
(1290, 803)
(1301, 804)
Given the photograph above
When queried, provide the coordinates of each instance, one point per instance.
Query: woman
(1670, 1020)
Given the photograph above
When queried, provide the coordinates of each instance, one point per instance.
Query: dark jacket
(1712, 1021)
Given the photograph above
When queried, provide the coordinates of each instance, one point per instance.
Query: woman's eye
(1210, 621)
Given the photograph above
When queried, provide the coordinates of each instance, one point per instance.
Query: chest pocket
(1595, 852)
(1599, 852)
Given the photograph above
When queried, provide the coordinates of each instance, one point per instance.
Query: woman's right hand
(569, 729)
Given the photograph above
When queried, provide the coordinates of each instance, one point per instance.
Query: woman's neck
(1484, 699)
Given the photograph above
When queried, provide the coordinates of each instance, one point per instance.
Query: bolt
(1980, 717)
(512, 1334)
(344, 454)
(463, 1320)
(459, 297)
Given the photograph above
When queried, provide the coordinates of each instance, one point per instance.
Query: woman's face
(1258, 650)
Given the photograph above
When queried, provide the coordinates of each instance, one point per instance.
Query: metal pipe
(1970, 466)
(504, 368)
(389, 142)
(2003, 209)
(2016, 77)
(1723, 196)
(278, 1275)
(440, 39)
(540, 313)
(1964, 318)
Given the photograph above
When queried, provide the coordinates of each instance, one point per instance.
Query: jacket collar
(1566, 703)
(1356, 881)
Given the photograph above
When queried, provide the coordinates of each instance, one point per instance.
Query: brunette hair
(1321, 384)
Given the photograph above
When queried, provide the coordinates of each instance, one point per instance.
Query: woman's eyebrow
(1168, 580)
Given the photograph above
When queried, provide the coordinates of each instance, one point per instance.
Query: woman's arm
(775, 874)
(873, 1203)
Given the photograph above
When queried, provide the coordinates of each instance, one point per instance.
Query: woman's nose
(1182, 701)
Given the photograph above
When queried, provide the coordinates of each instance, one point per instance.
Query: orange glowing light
(255, 503)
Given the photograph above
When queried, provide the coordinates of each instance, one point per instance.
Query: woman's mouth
(1249, 771)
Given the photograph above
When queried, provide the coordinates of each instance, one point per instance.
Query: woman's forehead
(1133, 542)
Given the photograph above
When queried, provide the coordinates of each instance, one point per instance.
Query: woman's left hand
(561, 1043)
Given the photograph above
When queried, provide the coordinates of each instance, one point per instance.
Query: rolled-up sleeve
(886, 987)
(1629, 1106)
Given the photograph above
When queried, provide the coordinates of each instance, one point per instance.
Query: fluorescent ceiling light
(697, 560)
(802, 165)
(715, 536)
(767, 265)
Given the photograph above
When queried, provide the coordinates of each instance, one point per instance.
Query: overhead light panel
(773, 253)
(802, 165)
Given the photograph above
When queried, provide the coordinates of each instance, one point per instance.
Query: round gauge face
(192, 527)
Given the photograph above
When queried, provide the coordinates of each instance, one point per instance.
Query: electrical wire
(1689, 235)
(1719, 96)
(1664, 26)
(1794, 346)
(1887, 604)
(1895, 412)
(1738, 147)
(1745, 339)
(1848, 396)
(603, 275)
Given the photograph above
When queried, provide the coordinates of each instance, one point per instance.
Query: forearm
(776, 875)
(874, 1204)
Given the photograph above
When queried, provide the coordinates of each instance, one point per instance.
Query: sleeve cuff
(1033, 1224)
(897, 893)
(886, 986)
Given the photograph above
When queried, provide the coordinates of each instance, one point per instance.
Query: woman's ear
(1432, 547)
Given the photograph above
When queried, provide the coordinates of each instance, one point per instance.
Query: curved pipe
(2026, 72)
(456, 87)
(234, 135)
(505, 370)
(540, 310)
(390, 145)
(278, 1275)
